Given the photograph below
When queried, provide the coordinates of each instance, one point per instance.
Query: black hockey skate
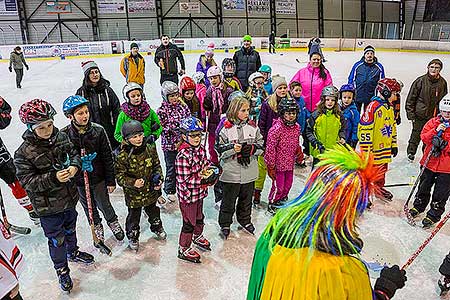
(133, 245)
(202, 243)
(117, 230)
(272, 209)
(80, 257)
(65, 282)
(444, 285)
(161, 234)
(414, 212)
(249, 228)
(427, 223)
(188, 254)
(224, 232)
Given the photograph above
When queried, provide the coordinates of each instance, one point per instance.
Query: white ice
(155, 272)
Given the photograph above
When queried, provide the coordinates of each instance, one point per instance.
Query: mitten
(394, 151)
(86, 162)
(390, 280)
(150, 139)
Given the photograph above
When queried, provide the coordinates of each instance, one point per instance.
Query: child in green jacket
(136, 108)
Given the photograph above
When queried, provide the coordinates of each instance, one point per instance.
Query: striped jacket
(377, 130)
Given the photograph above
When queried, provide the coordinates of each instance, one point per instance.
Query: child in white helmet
(256, 93)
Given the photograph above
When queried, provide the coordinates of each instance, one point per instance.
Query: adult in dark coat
(272, 42)
(423, 101)
(166, 56)
(365, 75)
(104, 105)
(247, 61)
(16, 62)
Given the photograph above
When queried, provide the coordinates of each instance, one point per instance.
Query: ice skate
(224, 232)
(172, 197)
(80, 257)
(65, 282)
(411, 158)
(444, 285)
(385, 195)
(117, 230)
(427, 223)
(133, 245)
(414, 212)
(249, 228)
(217, 205)
(99, 232)
(202, 243)
(188, 254)
(271, 209)
(34, 218)
(161, 234)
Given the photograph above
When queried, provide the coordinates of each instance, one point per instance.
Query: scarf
(217, 97)
(136, 112)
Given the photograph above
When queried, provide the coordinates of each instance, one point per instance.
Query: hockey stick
(398, 184)
(427, 241)
(9, 226)
(97, 243)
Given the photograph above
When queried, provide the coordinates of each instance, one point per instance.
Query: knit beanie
(278, 80)
(132, 45)
(247, 38)
(88, 65)
(435, 61)
(369, 48)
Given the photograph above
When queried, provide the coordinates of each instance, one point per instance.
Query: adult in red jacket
(436, 137)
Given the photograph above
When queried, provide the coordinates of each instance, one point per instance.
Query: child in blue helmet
(266, 70)
(350, 112)
(194, 173)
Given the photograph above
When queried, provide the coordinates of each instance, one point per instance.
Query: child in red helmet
(187, 90)
(377, 130)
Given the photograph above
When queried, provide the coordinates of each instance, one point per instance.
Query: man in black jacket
(422, 102)
(272, 42)
(247, 61)
(166, 59)
(93, 139)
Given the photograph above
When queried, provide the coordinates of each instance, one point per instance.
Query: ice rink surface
(155, 272)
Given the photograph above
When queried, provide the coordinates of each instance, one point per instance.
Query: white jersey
(11, 262)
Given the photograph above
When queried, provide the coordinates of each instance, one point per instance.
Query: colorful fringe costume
(310, 248)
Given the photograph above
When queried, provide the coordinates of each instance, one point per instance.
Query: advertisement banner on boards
(233, 4)
(189, 7)
(285, 7)
(141, 6)
(258, 6)
(54, 50)
(8, 8)
(111, 6)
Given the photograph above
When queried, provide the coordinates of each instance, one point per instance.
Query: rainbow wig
(323, 217)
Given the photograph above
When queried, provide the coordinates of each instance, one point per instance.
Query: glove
(248, 150)
(156, 180)
(150, 139)
(243, 161)
(394, 151)
(86, 162)
(211, 175)
(272, 173)
(438, 145)
(27, 67)
(353, 144)
(10, 68)
(321, 148)
(390, 280)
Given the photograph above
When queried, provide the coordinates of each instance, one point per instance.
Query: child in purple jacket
(205, 62)
(282, 150)
(171, 113)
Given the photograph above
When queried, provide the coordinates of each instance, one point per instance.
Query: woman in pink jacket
(282, 150)
(313, 78)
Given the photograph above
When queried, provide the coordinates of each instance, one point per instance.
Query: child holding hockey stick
(139, 172)
(92, 138)
(46, 162)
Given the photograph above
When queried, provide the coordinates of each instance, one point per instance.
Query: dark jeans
(193, 222)
(19, 76)
(100, 200)
(134, 218)
(414, 139)
(441, 192)
(271, 47)
(243, 193)
(169, 182)
(60, 229)
(169, 77)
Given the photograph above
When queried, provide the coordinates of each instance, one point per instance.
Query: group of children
(249, 134)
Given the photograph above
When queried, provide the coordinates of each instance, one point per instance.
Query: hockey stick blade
(19, 229)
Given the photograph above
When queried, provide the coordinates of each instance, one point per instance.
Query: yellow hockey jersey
(377, 131)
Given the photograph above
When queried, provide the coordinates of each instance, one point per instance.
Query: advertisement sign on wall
(8, 8)
(58, 7)
(141, 6)
(233, 4)
(285, 7)
(258, 6)
(111, 6)
(189, 7)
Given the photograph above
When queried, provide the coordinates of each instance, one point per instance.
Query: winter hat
(278, 80)
(88, 65)
(435, 61)
(247, 38)
(369, 48)
(134, 45)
